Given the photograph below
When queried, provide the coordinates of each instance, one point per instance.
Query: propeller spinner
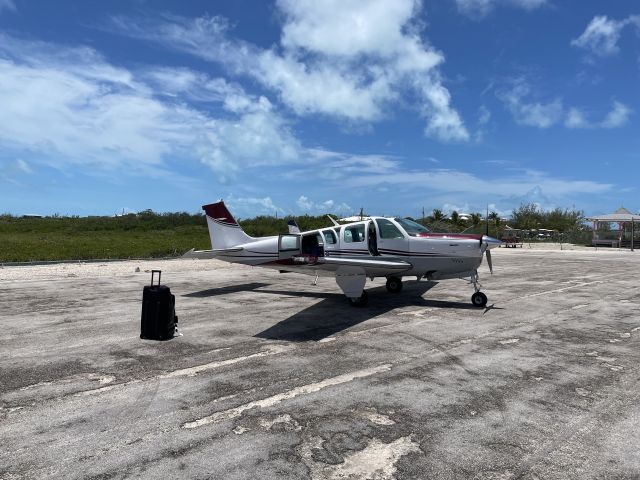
(487, 243)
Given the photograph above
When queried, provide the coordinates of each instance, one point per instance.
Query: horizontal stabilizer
(210, 253)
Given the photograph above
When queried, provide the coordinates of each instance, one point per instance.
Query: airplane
(374, 247)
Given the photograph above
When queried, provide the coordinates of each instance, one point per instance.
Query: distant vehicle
(376, 247)
(512, 237)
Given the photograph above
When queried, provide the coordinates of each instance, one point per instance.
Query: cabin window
(354, 233)
(288, 242)
(330, 237)
(388, 229)
(412, 228)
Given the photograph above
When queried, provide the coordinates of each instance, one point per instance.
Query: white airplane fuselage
(375, 247)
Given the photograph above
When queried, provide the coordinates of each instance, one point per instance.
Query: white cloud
(345, 59)
(531, 113)
(454, 181)
(480, 8)
(252, 206)
(576, 119)
(547, 114)
(9, 170)
(618, 116)
(304, 203)
(69, 106)
(307, 205)
(601, 36)
(484, 117)
(7, 5)
(257, 138)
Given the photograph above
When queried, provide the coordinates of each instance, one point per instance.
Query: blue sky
(303, 106)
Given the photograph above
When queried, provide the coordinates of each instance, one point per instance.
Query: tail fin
(224, 230)
(293, 227)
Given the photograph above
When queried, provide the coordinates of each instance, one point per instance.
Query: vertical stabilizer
(293, 227)
(224, 230)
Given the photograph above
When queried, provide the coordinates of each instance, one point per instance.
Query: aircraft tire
(361, 301)
(479, 299)
(394, 285)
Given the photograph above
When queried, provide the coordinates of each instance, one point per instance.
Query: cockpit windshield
(412, 228)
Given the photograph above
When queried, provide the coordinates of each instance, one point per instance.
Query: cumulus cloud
(480, 8)
(252, 205)
(69, 106)
(601, 36)
(305, 204)
(345, 59)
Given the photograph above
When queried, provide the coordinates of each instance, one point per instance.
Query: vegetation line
(166, 235)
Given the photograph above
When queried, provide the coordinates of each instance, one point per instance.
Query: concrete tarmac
(274, 378)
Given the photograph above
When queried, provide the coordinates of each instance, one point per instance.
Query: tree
(476, 218)
(455, 218)
(531, 216)
(437, 215)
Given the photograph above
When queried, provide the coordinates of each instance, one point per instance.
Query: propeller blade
(489, 262)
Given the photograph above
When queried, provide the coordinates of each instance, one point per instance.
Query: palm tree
(475, 219)
(455, 218)
(437, 215)
(496, 220)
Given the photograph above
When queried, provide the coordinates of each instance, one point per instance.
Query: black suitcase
(158, 311)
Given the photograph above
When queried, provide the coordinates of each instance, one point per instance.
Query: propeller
(486, 241)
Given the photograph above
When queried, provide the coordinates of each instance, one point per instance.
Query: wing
(369, 266)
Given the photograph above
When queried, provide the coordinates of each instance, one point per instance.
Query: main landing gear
(478, 299)
(394, 285)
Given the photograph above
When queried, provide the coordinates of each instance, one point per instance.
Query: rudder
(224, 230)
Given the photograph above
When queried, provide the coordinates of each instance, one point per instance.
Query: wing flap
(367, 264)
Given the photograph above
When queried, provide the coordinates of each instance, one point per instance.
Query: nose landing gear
(478, 299)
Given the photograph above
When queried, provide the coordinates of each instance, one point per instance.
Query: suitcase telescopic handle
(153, 272)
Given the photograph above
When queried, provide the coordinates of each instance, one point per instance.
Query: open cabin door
(391, 241)
(288, 246)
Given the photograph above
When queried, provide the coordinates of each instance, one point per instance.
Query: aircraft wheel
(479, 299)
(361, 301)
(394, 284)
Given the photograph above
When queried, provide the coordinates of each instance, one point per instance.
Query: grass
(24, 240)
(143, 235)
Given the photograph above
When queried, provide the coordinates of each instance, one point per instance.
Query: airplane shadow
(333, 314)
(212, 292)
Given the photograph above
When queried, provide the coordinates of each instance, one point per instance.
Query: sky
(312, 107)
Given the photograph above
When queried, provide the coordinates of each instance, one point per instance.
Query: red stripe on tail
(218, 211)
